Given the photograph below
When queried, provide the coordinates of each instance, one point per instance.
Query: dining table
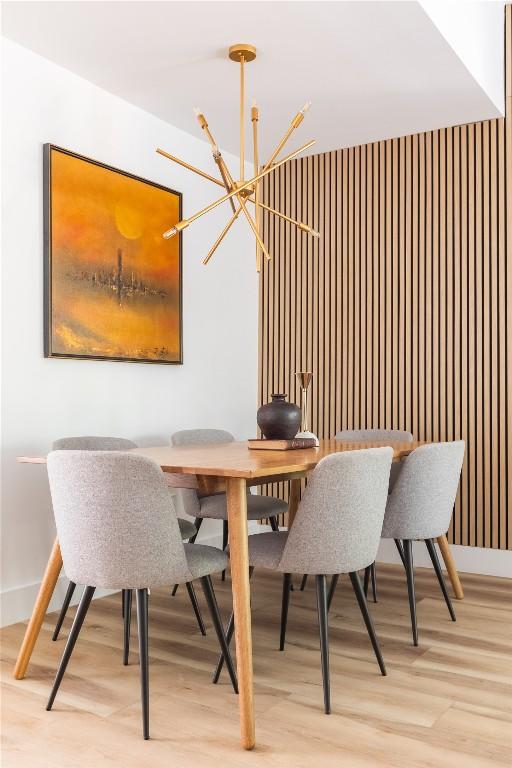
(231, 468)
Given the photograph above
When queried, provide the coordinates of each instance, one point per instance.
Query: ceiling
(372, 70)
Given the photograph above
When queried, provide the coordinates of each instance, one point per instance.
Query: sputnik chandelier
(245, 191)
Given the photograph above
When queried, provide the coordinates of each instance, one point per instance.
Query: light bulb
(197, 111)
(306, 107)
(170, 233)
(253, 103)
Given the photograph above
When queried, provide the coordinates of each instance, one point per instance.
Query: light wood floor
(446, 703)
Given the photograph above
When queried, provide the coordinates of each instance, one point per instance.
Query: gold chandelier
(245, 191)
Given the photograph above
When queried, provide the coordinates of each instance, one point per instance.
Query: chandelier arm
(255, 117)
(224, 172)
(217, 156)
(300, 224)
(253, 227)
(189, 167)
(181, 225)
(297, 120)
(222, 234)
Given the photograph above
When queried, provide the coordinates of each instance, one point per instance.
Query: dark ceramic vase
(279, 420)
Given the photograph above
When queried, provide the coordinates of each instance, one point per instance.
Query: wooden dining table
(229, 468)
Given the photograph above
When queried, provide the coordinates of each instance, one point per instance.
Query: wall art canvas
(113, 285)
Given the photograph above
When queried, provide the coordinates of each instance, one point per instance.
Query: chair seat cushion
(266, 549)
(203, 560)
(187, 529)
(258, 507)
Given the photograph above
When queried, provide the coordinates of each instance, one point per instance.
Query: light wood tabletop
(229, 467)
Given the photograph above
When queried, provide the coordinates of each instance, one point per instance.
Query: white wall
(47, 398)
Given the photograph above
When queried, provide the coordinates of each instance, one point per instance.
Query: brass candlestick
(304, 380)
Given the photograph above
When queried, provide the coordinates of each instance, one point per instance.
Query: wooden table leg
(450, 567)
(293, 500)
(38, 612)
(238, 552)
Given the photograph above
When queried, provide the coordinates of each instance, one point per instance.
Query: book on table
(296, 443)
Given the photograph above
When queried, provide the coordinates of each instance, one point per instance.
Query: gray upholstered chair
(215, 506)
(390, 436)
(336, 530)
(118, 530)
(420, 508)
(187, 530)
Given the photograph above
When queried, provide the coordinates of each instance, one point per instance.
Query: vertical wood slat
(402, 310)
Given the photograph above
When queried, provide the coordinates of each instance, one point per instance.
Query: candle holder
(304, 380)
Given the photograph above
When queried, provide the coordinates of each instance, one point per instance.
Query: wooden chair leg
(65, 605)
(229, 635)
(323, 626)
(127, 602)
(142, 624)
(209, 594)
(285, 602)
(80, 615)
(195, 607)
(363, 606)
(409, 568)
(437, 568)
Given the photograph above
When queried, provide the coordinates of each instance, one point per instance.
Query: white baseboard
(487, 562)
(17, 603)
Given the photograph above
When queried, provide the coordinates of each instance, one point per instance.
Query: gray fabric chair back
(201, 436)
(93, 444)
(339, 519)
(421, 502)
(115, 520)
(361, 435)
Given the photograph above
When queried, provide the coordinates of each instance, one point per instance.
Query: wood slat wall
(403, 308)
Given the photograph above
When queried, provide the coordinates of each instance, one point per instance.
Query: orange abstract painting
(113, 284)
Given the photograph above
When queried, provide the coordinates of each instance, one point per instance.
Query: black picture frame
(47, 258)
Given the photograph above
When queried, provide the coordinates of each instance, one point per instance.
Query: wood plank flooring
(446, 703)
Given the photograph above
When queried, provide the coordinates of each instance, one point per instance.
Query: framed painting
(113, 285)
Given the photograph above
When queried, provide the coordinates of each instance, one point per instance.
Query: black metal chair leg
(209, 594)
(332, 590)
(80, 615)
(373, 574)
(409, 569)
(197, 524)
(285, 602)
(64, 609)
(363, 606)
(123, 598)
(229, 636)
(437, 568)
(142, 625)
(225, 538)
(195, 605)
(400, 551)
(323, 626)
(127, 602)
(304, 582)
(273, 524)
(366, 580)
